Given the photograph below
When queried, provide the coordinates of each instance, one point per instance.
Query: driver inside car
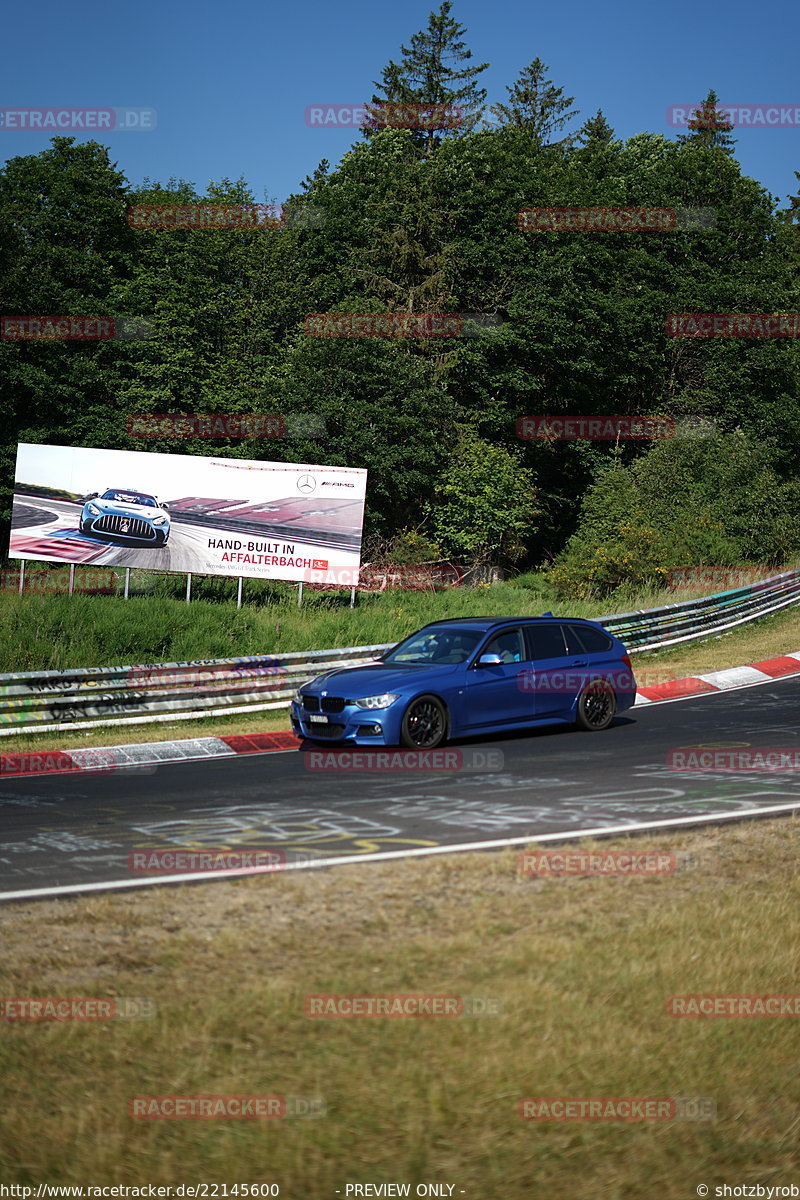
(507, 646)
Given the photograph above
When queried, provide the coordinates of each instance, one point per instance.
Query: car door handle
(580, 662)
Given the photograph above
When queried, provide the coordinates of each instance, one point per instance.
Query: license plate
(317, 719)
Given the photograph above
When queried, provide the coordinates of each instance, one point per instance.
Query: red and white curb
(720, 681)
(142, 756)
(147, 756)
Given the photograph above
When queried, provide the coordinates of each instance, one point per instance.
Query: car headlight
(382, 701)
(93, 509)
(159, 520)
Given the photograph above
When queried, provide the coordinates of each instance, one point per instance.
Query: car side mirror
(489, 660)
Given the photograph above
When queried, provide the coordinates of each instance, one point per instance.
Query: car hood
(124, 508)
(374, 678)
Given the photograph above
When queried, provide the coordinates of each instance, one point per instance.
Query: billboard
(181, 512)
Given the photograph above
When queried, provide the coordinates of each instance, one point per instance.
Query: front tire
(424, 724)
(596, 706)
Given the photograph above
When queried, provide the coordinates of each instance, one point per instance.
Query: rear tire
(424, 724)
(597, 705)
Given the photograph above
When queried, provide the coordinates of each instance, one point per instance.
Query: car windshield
(436, 647)
(130, 498)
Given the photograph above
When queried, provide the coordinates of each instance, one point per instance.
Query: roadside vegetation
(50, 631)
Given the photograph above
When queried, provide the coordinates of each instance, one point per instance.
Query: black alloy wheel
(424, 724)
(596, 706)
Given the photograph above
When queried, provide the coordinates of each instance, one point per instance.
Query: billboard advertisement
(181, 512)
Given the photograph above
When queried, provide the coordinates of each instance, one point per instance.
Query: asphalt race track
(62, 830)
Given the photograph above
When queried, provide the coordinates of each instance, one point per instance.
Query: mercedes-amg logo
(306, 483)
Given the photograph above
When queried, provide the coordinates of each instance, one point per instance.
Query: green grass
(54, 631)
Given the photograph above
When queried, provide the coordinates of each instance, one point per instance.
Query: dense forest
(424, 221)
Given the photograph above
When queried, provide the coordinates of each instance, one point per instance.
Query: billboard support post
(127, 582)
(71, 578)
(300, 595)
(239, 593)
(188, 587)
(21, 575)
(352, 597)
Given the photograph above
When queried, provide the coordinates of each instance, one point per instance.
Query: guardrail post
(239, 593)
(127, 582)
(188, 587)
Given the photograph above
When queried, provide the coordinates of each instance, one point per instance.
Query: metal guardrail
(658, 628)
(80, 698)
(84, 697)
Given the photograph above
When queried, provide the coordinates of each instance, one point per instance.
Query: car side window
(575, 644)
(547, 641)
(595, 641)
(509, 644)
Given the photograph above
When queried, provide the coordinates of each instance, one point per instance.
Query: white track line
(389, 855)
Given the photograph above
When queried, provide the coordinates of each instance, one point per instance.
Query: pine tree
(791, 215)
(595, 131)
(430, 91)
(709, 126)
(319, 176)
(536, 104)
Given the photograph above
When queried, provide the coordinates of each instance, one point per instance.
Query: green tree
(792, 214)
(709, 126)
(196, 286)
(431, 75)
(702, 501)
(485, 503)
(577, 326)
(67, 250)
(536, 105)
(380, 408)
(595, 131)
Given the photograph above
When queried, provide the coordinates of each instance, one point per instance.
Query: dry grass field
(580, 967)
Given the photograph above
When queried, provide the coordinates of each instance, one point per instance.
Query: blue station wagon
(472, 675)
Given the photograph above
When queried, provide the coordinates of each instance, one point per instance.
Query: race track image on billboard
(178, 512)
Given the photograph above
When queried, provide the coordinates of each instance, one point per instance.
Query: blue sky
(231, 82)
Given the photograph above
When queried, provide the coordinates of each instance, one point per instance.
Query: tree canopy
(559, 321)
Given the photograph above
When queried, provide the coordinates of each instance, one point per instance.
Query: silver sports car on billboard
(133, 515)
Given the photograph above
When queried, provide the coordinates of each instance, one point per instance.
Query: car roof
(487, 623)
(138, 491)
